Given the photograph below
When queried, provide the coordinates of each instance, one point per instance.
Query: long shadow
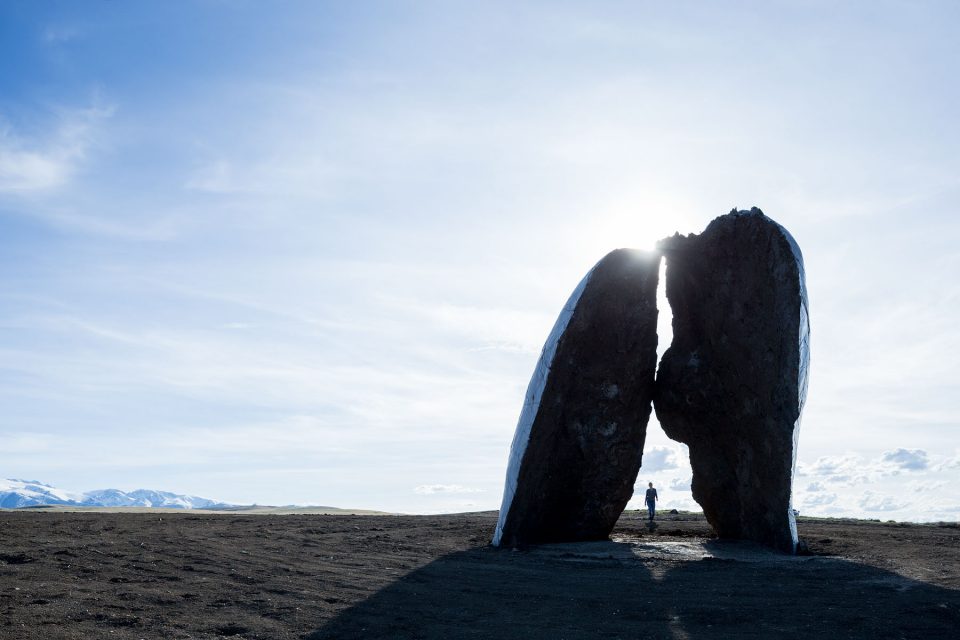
(548, 592)
(819, 597)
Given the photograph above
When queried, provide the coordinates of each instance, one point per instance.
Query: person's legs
(652, 508)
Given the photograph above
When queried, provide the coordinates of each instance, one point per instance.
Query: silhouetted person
(651, 500)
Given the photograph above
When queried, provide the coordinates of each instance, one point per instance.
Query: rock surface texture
(733, 382)
(579, 440)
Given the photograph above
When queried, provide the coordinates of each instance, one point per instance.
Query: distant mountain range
(15, 494)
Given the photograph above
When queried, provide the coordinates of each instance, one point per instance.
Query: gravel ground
(148, 575)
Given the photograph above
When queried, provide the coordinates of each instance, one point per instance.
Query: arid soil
(183, 575)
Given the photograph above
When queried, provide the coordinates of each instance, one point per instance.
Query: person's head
(651, 484)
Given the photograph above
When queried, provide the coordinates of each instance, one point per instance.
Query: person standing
(651, 500)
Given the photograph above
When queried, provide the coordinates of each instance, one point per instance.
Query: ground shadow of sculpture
(606, 593)
(731, 386)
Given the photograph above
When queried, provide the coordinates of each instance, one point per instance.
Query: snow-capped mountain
(30, 493)
(146, 498)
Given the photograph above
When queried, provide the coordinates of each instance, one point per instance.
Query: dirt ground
(148, 575)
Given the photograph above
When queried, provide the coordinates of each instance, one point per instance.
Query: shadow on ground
(627, 590)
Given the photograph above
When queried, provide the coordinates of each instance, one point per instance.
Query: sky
(309, 253)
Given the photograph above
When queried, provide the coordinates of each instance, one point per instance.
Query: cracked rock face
(733, 382)
(579, 440)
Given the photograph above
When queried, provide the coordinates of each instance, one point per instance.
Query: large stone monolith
(579, 440)
(733, 382)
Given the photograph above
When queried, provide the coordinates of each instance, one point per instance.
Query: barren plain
(189, 575)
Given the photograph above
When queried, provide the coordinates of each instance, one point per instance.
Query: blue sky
(310, 253)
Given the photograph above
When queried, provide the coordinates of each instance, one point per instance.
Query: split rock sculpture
(733, 382)
(579, 441)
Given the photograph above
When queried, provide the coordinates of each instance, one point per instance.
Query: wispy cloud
(430, 489)
(853, 469)
(659, 459)
(819, 499)
(871, 502)
(913, 483)
(45, 162)
(907, 459)
(58, 34)
(950, 463)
